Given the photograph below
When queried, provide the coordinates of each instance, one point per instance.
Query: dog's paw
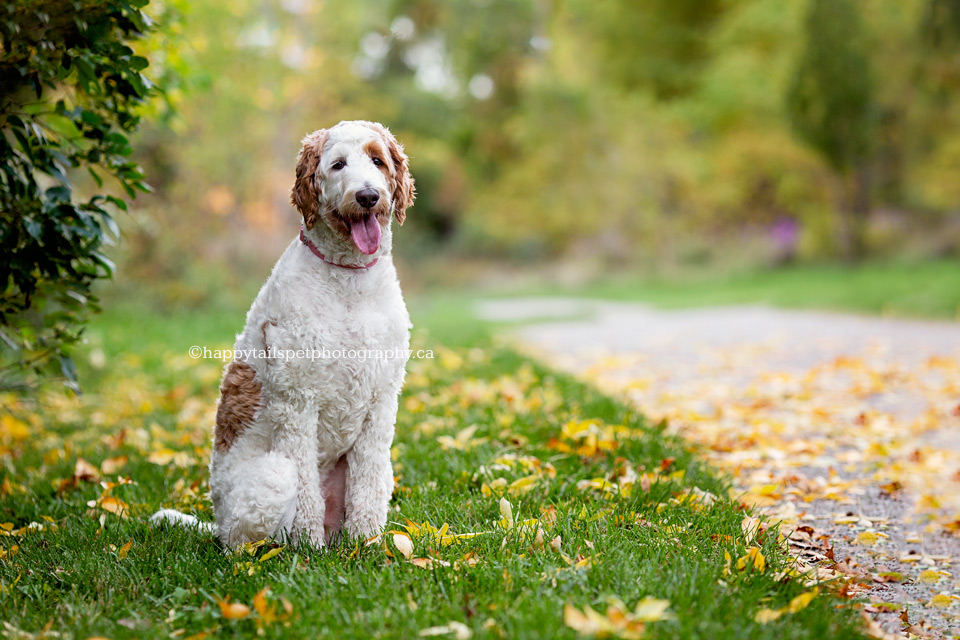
(172, 517)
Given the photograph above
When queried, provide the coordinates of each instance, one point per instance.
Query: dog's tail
(174, 517)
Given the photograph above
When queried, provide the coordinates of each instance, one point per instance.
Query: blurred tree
(831, 106)
(935, 110)
(658, 45)
(71, 87)
(606, 130)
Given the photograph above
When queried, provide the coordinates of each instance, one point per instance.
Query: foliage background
(652, 134)
(562, 138)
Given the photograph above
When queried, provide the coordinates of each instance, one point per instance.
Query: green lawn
(633, 513)
(911, 289)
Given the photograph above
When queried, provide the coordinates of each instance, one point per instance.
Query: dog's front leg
(370, 473)
(296, 438)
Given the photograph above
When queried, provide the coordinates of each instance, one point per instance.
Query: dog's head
(351, 177)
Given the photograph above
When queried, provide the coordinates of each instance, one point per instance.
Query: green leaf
(95, 176)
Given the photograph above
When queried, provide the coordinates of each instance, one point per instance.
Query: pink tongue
(366, 233)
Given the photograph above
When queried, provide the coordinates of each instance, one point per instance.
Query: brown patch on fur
(374, 150)
(404, 190)
(304, 194)
(239, 401)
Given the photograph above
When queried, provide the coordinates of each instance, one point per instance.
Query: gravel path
(846, 428)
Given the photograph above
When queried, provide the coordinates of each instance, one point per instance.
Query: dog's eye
(378, 162)
(339, 164)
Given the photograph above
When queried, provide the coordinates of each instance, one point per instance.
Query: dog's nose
(366, 198)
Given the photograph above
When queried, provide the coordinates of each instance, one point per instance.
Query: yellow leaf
(271, 554)
(943, 600)
(753, 558)
(618, 622)
(403, 544)
(260, 601)
(162, 457)
(652, 609)
(124, 550)
(233, 610)
(497, 486)
(523, 485)
(765, 616)
(801, 601)
(868, 538)
(930, 575)
(114, 505)
(13, 428)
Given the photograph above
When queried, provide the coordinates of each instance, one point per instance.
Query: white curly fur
(314, 410)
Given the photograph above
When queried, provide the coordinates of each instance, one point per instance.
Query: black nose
(366, 198)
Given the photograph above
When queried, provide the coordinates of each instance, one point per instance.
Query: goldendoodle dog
(301, 444)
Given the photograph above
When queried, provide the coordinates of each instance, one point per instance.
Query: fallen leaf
(403, 544)
(112, 465)
(233, 610)
(868, 538)
(523, 485)
(83, 471)
(765, 616)
(652, 609)
(931, 575)
(506, 513)
(754, 558)
(801, 601)
(114, 505)
(459, 630)
(272, 553)
(943, 600)
(124, 550)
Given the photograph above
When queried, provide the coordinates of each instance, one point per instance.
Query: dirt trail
(847, 428)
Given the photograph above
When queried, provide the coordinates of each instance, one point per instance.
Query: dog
(305, 423)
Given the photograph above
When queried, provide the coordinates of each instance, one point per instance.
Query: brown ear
(304, 194)
(404, 191)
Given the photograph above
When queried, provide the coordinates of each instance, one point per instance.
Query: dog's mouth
(365, 232)
(363, 227)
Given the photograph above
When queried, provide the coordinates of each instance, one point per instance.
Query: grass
(473, 421)
(928, 289)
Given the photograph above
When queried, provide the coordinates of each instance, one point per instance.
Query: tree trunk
(853, 215)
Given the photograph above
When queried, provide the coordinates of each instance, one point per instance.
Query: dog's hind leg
(261, 501)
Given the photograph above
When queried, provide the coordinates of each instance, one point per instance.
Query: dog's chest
(362, 346)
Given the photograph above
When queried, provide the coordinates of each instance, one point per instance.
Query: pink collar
(317, 253)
